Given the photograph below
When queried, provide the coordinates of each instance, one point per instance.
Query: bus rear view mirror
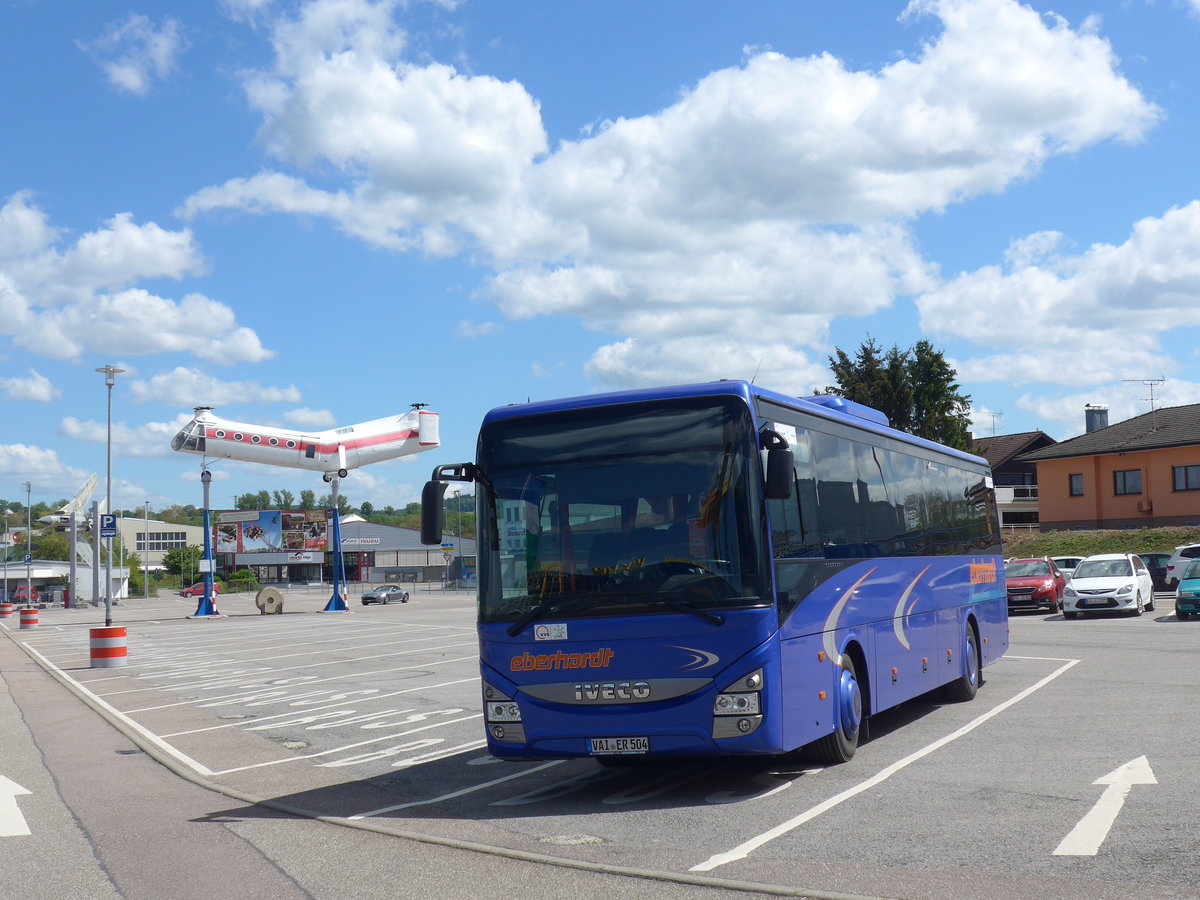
(431, 511)
(780, 473)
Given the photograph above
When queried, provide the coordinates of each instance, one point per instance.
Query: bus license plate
(612, 746)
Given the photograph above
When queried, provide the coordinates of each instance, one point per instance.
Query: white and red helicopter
(333, 452)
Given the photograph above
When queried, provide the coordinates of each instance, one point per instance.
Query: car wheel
(387, 600)
(1140, 606)
(1150, 605)
(365, 601)
(1069, 614)
(1180, 614)
(404, 598)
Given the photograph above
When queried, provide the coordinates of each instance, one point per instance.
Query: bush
(1085, 543)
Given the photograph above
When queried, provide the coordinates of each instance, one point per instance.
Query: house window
(1186, 478)
(1127, 481)
(1075, 485)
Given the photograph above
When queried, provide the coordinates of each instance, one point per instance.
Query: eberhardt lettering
(529, 662)
(983, 572)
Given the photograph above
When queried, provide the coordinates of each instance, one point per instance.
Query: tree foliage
(915, 388)
(183, 560)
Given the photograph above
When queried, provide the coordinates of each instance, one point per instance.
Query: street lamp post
(110, 377)
(146, 554)
(28, 543)
(7, 512)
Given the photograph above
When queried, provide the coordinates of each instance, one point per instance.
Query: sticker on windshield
(556, 632)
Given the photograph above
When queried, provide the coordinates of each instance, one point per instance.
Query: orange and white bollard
(29, 619)
(108, 646)
(6, 610)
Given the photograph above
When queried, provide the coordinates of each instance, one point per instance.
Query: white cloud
(770, 198)
(1023, 310)
(63, 304)
(192, 387)
(466, 329)
(41, 466)
(151, 439)
(1063, 417)
(134, 53)
(37, 387)
(312, 418)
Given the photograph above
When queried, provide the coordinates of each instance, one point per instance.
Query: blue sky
(314, 214)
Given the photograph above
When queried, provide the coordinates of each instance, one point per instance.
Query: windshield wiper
(549, 605)
(684, 606)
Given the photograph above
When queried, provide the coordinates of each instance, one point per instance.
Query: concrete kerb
(178, 767)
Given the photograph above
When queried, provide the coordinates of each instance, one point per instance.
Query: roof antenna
(756, 368)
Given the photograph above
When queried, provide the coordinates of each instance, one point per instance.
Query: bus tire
(966, 686)
(840, 745)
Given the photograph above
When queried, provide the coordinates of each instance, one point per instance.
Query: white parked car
(1179, 560)
(1109, 582)
(1066, 564)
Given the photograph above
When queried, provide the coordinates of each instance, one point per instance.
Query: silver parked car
(385, 594)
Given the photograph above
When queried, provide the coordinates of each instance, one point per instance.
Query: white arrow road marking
(12, 823)
(1086, 837)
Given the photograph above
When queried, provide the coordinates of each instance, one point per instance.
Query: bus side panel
(900, 673)
(806, 673)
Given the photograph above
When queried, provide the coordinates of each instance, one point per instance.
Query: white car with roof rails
(1109, 582)
(1178, 562)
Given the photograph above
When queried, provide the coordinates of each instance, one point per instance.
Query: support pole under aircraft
(206, 606)
(337, 603)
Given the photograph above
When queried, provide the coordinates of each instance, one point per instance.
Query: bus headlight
(503, 715)
(735, 704)
(737, 710)
(499, 707)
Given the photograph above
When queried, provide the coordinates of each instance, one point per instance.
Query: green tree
(308, 499)
(50, 544)
(283, 499)
(183, 561)
(344, 506)
(915, 388)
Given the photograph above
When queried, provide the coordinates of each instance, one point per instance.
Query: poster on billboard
(271, 530)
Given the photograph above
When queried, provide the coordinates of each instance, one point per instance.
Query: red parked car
(20, 596)
(197, 590)
(1034, 583)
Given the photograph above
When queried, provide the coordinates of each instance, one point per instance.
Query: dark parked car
(385, 594)
(1157, 564)
(1034, 583)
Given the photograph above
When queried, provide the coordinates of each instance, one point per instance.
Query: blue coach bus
(719, 569)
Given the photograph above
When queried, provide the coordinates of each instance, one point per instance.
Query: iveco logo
(611, 690)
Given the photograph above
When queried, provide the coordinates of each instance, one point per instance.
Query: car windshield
(1027, 568)
(622, 510)
(1192, 570)
(1103, 568)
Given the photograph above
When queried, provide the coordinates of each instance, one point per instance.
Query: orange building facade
(1134, 488)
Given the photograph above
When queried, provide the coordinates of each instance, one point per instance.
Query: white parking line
(262, 719)
(745, 849)
(459, 793)
(389, 737)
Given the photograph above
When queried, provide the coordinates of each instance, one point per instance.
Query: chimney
(1096, 417)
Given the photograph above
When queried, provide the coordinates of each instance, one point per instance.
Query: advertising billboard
(271, 531)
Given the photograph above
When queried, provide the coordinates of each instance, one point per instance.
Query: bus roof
(831, 407)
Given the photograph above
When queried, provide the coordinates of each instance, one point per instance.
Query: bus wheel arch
(966, 686)
(850, 705)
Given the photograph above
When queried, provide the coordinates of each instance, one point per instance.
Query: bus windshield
(622, 510)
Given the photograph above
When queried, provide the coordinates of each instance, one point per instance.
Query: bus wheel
(967, 686)
(839, 746)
